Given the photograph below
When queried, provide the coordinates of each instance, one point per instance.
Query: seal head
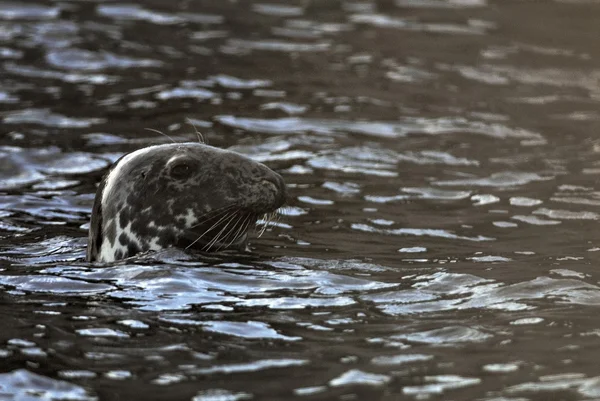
(185, 195)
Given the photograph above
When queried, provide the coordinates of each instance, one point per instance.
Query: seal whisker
(218, 236)
(271, 217)
(231, 205)
(277, 216)
(248, 219)
(270, 220)
(251, 218)
(266, 221)
(243, 220)
(159, 132)
(229, 233)
(261, 223)
(209, 215)
(198, 133)
(206, 231)
(222, 235)
(257, 226)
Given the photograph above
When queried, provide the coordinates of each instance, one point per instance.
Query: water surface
(441, 240)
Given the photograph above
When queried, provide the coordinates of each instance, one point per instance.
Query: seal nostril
(275, 181)
(270, 184)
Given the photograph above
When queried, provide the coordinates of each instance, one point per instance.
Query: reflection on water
(441, 160)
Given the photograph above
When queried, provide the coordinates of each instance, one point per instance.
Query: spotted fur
(179, 195)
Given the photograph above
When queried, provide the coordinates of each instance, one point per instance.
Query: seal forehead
(147, 156)
(113, 176)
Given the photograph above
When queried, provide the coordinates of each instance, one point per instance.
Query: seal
(183, 195)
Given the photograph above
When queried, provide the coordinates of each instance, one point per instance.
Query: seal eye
(181, 170)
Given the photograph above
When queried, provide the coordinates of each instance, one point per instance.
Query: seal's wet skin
(185, 195)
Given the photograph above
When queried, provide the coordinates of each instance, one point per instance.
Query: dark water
(442, 238)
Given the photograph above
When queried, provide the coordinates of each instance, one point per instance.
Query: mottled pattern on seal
(186, 195)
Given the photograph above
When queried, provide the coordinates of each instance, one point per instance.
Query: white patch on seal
(189, 217)
(153, 243)
(107, 251)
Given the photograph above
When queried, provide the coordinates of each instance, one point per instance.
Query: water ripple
(438, 126)
(179, 288)
(419, 232)
(17, 11)
(134, 12)
(279, 10)
(49, 119)
(251, 367)
(442, 179)
(220, 395)
(439, 384)
(446, 335)
(242, 46)
(358, 377)
(248, 329)
(86, 60)
(441, 3)
(71, 77)
(472, 27)
(24, 167)
(503, 179)
(21, 384)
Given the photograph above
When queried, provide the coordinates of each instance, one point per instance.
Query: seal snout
(275, 184)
